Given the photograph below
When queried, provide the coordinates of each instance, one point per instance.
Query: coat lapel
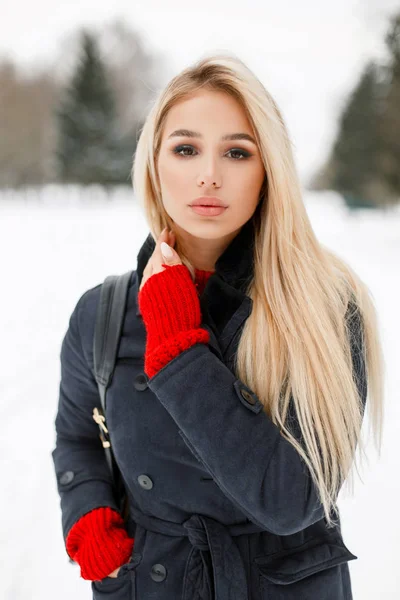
(224, 304)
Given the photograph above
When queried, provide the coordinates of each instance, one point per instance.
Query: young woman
(247, 350)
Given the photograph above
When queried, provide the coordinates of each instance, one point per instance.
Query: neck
(203, 253)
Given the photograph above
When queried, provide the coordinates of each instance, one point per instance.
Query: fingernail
(166, 250)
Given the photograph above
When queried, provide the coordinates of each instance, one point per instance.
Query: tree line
(83, 127)
(364, 161)
(78, 121)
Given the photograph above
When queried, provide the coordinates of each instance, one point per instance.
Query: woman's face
(191, 161)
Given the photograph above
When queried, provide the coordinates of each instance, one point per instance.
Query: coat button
(247, 396)
(67, 477)
(140, 382)
(158, 572)
(145, 482)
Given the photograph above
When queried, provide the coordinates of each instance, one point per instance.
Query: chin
(208, 229)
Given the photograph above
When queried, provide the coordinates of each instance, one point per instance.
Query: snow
(56, 243)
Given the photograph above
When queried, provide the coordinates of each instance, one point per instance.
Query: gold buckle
(100, 419)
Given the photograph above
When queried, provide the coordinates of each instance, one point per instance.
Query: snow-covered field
(56, 244)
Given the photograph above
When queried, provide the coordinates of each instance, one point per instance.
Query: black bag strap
(109, 321)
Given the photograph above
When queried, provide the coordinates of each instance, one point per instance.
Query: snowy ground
(55, 246)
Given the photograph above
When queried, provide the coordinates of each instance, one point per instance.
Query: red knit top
(170, 307)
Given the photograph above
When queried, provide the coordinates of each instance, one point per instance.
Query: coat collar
(224, 303)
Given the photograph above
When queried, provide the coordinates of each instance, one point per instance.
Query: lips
(210, 211)
(205, 201)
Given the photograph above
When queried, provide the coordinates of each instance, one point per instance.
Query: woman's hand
(157, 259)
(114, 573)
(98, 541)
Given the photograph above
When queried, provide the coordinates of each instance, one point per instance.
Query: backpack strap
(109, 320)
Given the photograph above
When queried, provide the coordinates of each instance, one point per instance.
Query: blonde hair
(308, 306)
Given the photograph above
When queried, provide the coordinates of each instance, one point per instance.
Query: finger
(114, 573)
(163, 237)
(172, 238)
(154, 263)
(158, 257)
(147, 272)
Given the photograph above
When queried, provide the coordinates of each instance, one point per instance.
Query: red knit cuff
(164, 353)
(99, 543)
(169, 304)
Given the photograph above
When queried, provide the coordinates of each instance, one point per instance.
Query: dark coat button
(145, 482)
(158, 572)
(67, 477)
(141, 382)
(247, 396)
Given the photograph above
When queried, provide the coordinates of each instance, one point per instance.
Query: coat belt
(214, 568)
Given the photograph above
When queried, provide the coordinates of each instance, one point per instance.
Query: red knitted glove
(171, 313)
(99, 543)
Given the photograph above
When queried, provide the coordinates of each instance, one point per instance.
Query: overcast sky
(308, 54)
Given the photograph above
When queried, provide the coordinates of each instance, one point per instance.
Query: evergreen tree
(354, 156)
(389, 131)
(91, 148)
(364, 164)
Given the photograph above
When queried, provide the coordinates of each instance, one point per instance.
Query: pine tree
(91, 148)
(354, 155)
(389, 131)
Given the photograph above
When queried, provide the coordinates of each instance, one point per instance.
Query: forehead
(209, 110)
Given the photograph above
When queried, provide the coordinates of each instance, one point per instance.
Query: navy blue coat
(221, 504)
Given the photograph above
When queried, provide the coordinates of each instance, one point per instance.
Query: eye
(242, 153)
(180, 149)
(186, 150)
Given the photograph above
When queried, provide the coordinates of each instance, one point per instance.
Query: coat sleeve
(83, 478)
(223, 423)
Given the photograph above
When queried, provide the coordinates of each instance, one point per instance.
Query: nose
(208, 181)
(213, 184)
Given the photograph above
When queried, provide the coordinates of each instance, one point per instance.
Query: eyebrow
(227, 137)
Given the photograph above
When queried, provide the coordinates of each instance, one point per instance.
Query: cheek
(172, 174)
(248, 183)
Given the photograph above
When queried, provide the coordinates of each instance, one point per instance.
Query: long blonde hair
(294, 350)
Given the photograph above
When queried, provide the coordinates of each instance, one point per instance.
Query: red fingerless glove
(99, 543)
(171, 313)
